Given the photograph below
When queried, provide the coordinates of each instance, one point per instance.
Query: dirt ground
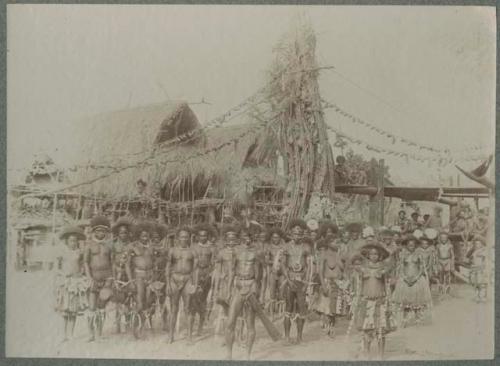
(459, 329)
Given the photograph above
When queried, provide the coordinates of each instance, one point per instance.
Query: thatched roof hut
(133, 144)
(123, 134)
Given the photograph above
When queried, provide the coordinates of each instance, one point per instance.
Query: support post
(376, 211)
(54, 212)
(380, 191)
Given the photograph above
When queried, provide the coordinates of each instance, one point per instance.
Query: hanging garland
(441, 161)
(395, 138)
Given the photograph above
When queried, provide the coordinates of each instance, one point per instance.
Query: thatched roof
(135, 136)
(233, 170)
(127, 133)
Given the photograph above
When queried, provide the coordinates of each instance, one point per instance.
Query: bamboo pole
(54, 210)
(192, 200)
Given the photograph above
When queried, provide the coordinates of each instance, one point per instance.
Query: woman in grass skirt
(372, 314)
(332, 300)
(71, 285)
(412, 292)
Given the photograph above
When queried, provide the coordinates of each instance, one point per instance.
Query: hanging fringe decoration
(302, 137)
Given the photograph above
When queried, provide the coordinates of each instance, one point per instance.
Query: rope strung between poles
(443, 161)
(148, 161)
(393, 137)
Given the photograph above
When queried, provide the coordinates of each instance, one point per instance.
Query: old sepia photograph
(257, 182)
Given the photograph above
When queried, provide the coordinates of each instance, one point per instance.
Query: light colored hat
(312, 225)
(418, 234)
(396, 229)
(368, 231)
(430, 233)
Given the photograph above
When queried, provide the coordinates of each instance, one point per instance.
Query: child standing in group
(428, 252)
(354, 278)
(372, 314)
(71, 290)
(478, 272)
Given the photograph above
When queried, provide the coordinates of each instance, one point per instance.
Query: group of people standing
(247, 271)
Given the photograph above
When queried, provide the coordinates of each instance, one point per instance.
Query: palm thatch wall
(141, 138)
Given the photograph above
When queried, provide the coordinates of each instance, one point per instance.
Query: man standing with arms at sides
(342, 244)
(356, 242)
(98, 264)
(244, 275)
(445, 261)
(260, 233)
(330, 273)
(72, 285)
(140, 266)
(205, 254)
(295, 267)
(388, 243)
(160, 250)
(273, 257)
(223, 266)
(180, 275)
(262, 243)
(121, 231)
(255, 234)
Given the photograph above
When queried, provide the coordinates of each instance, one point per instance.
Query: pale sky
(424, 73)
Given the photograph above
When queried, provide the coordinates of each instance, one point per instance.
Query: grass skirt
(374, 315)
(71, 295)
(415, 296)
(334, 303)
(478, 276)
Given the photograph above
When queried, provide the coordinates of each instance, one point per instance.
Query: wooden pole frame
(376, 204)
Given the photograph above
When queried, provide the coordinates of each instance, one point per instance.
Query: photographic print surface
(250, 182)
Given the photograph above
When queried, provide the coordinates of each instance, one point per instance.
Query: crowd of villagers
(224, 277)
